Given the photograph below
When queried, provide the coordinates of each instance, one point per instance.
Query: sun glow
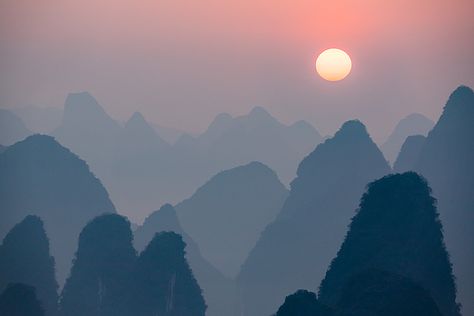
(333, 64)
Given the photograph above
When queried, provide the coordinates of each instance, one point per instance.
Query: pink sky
(182, 62)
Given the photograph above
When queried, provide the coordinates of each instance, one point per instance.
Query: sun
(333, 64)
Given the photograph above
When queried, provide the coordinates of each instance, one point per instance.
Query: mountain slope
(234, 205)
(101, 275)
(25, 258)
(396, 229)
(409, 153)
(39, 176)
(446, 160)
(294, 251)
(218, 290)
(12, 128)
(413, 124)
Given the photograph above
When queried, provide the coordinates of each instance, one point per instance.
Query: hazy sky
(182, 62)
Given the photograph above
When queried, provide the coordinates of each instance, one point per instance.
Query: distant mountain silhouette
(101, 275)
(20, 300)
(377, 293)
(256, 136)
(294, 251)
(227, 214)
(409, 153)
(12, 128)
(141, 170)
(303, 303)
(396, 229)
(163, 281)
(25, 258)
(40, 119)
(39, 176)
(413, 124)
(2, 148)
(218, 291)
(446, 160)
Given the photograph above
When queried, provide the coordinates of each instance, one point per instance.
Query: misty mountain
(446, 160)
(413, 124)
(169, 134)
(294, 251)
(25, 258)
(39, 176)
(396, 229)
(2, 148)
(20, 300)
(141, 170)
(256, 136)
(101, 275)
(235, 206)
(40, 119)
(12, 128)
(218, 291)
(409, 153)
(163, 283)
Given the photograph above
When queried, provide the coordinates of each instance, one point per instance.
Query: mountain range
(141, 170)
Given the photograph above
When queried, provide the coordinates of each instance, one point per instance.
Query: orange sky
(182, 62)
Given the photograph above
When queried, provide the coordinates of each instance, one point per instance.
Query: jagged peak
(165, 215)
(81, 99)
(462, 96)
(259, 111)
(137, 119)
(352, 128)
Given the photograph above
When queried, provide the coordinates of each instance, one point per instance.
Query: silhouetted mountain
(396, 229)
(218, 291)
(294, 251)
(40, 119)
(101, 275)
(227, 214)
(303, 303)
(413, 124)
(12, 128)
(163, 281)
(377, 293)
(409, 153)
(38, 176)
(25, 258)
(88, 131)
(20, 300)
(2, 148)
(446, 160)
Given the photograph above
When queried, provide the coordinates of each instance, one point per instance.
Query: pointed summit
(137, 124)
(461, 98)
(83, 108)
(260, 112)
(353, 128)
